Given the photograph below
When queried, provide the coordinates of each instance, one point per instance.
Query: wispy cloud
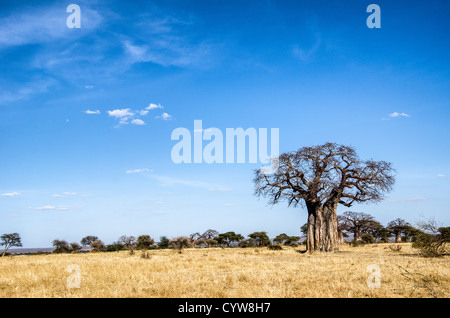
(11, 194)
(169, 181)
(409, 200)
(220, 189)
(441, 175)
(20, 29)
(396, 114)
(168, 50)
(306, 54)
(138, 171)
(92, 112)
(15, 92)
(57, 208)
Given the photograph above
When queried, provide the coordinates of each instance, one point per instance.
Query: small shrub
(115, 247)
(275, 247)
(356, 243)
(61, 246)
(145, 254)
(180, 243)
(395, 248)
(430, 245)
(368, 238)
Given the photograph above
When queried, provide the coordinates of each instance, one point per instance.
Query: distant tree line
(210, 238)
(428, 237)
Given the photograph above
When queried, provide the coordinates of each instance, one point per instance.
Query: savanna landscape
(231, 272)
(307, 141)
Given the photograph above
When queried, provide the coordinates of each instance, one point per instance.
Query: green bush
(356, 243)
(368, 238)
(115, 247)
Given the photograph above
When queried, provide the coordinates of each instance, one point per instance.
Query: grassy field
(233, 272)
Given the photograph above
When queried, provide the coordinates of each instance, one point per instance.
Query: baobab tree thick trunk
(322, 235)
(315, 228)
(331, 237)
(341, 237)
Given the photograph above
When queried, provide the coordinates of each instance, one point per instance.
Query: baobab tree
(358, 223)
(320, 178)
(398, 226)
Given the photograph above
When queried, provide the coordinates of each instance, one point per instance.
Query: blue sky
(84, 152)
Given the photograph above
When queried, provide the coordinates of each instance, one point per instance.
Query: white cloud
(138, 122)
(57, 208)
(229, 204)
(138, 170)
(120, 113)
(396, 114)
(165, 116)
(126, 116)
(89, 86)
(57, 195)
(92, 112)
(46, 207)
(11, 194)
(441, 175)
(154, 106)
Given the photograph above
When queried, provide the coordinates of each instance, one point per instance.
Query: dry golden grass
(234, 272)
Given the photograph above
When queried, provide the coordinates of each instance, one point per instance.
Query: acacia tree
(261, 238)
(228, 238)
(61, 246)
(129, 242)
(320, 178)
(144, 242)
(88, 240)
(75, 247)
(10, 240)
(209, 236)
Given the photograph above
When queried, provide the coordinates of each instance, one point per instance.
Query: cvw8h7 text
(245, 307)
